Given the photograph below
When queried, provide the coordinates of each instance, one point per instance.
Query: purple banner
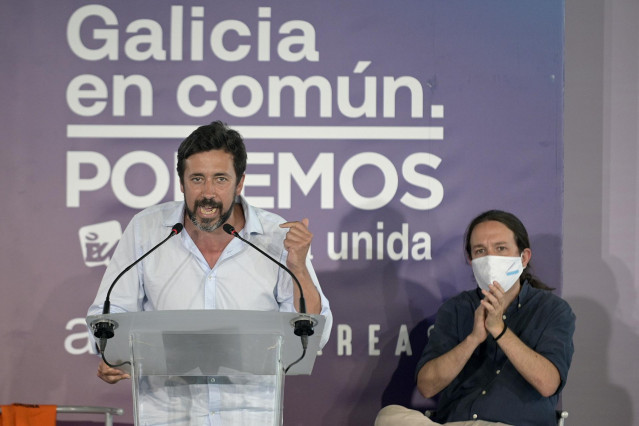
(390, 125)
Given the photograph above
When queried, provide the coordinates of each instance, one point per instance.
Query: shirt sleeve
(450, 328)
(129, 291)
(556, 343)
(287, 304)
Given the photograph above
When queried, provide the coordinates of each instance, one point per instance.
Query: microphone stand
(302, 326)
(104, 329)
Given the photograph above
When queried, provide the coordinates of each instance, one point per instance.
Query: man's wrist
(501, 333)
(473, 340)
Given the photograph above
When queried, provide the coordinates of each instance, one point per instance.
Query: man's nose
(209, 188)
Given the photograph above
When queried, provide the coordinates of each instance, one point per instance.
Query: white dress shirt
(177, 277)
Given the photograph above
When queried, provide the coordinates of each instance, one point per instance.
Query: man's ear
(240, 185)
(526, 254)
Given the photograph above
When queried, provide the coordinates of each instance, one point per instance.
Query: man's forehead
(492, 232)
(216, 157)
(216, 152)
(215, 162)
(491, 242)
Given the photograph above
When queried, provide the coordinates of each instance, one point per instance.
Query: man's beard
(208, 225)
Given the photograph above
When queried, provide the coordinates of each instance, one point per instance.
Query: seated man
(498, 354)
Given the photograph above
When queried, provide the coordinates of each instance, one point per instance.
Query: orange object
(28, 415)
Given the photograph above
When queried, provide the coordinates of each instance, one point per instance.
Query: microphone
(303, 326)
(104, 329)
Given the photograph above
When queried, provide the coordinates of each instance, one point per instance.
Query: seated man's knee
(397, 415)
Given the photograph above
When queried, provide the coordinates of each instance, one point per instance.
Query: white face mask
(505, 270)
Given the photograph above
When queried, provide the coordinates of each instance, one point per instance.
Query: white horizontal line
(260, 132)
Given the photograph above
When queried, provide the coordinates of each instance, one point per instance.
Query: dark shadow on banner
(376, 310)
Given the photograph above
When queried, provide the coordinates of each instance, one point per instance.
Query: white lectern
(199, 366)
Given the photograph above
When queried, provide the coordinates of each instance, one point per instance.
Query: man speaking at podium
(206, 267)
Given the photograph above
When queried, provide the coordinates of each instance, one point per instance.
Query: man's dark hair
(216, 135)
(513, 223)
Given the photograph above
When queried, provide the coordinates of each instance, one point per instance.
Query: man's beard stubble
(207, 225)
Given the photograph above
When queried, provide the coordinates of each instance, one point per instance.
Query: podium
(198, 367)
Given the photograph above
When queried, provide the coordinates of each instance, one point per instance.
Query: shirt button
(498, 371)
(503, 317)
(474, 416)
(519, 305)
(483, 392)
